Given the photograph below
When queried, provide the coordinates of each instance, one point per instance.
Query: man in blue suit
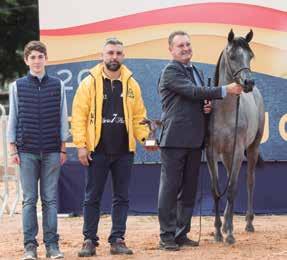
(184, 102)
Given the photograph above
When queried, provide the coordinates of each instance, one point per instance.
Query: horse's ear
(230, 36)
(249, 36)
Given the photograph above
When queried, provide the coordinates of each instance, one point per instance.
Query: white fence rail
(7, 175)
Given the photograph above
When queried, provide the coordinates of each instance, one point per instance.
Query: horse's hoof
(249, 228)
(218, 238)
(230, 240)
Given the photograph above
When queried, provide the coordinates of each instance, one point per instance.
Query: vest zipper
(39, 114)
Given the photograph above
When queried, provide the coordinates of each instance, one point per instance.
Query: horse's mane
(216, 75)
(237, 42)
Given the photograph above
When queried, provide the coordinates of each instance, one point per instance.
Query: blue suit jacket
(183, 123)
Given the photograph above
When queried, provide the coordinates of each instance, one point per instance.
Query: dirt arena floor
(268, 242)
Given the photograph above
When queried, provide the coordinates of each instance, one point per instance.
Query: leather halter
(234, 74)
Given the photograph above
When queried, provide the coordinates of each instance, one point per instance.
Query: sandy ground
(268, 242)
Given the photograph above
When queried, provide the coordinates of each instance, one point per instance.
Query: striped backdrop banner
(75, 31)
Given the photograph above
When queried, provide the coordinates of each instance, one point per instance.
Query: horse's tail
(260, 160)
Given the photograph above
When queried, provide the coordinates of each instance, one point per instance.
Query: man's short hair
(34, 46)
(175, 33)
(113, 41)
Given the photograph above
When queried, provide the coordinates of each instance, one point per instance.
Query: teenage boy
(37, 132)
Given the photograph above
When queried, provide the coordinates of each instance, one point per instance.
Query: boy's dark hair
(113, 41)
(175, 33)
(34, 46)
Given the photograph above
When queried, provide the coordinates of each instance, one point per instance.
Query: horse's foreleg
(231, 193)
(217, 223)
(228, 213)
(252, 156)
(213, 170)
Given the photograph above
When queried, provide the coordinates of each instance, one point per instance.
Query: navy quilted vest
(38, 127)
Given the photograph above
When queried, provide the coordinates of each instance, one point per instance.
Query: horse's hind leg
(252, 156)
(213, 170)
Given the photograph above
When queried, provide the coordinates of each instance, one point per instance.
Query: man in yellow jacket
(106, 115)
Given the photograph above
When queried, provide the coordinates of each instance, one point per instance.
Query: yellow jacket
(87, 110)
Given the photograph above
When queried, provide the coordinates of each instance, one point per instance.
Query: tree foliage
(19, 24)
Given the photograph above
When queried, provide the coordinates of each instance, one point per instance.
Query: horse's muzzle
(248, 85)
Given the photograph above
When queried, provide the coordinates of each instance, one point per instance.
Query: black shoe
(119, 248)
(187, 242)
(168, 245)
(88, 249)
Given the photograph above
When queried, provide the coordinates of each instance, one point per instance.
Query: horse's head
(238, 55)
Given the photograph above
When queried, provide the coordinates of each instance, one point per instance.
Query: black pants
(120, 167)
(177, 191)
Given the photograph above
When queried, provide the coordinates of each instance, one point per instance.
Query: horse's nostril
(249, 82)
(248, 85)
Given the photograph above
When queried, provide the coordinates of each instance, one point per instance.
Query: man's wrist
(224, 91)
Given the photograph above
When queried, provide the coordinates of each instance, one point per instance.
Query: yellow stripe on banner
(208, 40)
(74, 47)
(207, 49)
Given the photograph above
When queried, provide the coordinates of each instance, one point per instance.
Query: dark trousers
(120, 167)
(177, 191)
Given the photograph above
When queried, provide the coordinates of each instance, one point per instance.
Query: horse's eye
(232, 57)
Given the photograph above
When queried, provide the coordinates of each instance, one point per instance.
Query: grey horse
(234, 65)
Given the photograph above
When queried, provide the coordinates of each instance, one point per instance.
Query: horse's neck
(226, 106)
(228, 103)
(225, 76)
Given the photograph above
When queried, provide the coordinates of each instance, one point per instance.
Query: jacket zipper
(127, 103)
(93, 116)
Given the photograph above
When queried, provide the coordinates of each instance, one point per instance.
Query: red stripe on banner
(224, 13)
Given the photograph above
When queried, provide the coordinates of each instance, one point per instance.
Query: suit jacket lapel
(198, 75)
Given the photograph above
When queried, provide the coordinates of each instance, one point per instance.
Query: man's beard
(113, 65)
